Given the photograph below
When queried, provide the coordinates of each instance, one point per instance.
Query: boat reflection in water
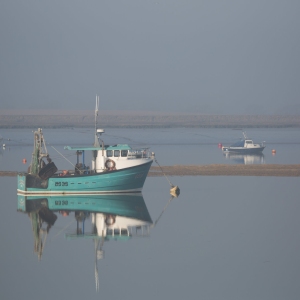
(116, 217)
(247, 159)
(112, 216)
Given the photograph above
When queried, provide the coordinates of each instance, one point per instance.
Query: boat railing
(262, 144)
(139, 153)
(140, 231)
(117, 231)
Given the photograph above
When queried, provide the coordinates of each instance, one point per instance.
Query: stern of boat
(21, 182)
(21, 203)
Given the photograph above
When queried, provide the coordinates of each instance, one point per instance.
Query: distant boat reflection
(116, 217)
(247, 159)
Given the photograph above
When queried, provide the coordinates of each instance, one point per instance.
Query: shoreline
(271, 170)
(116, 119)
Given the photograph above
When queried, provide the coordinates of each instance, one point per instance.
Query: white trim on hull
(52, 193)
(243, 150)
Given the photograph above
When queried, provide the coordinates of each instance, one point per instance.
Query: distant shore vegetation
(140, 120)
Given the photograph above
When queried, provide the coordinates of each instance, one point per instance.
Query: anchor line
(164, 173)
(155, 223)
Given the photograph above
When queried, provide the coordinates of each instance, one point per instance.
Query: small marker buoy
(220, 145)
(175, 191)
(24, 160)
(273, 151)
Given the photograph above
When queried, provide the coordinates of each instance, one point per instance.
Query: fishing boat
(114, 169)
(244, 146)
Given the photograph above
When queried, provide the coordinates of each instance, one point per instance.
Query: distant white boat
(244, 146)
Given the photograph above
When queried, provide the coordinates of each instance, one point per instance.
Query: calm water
(222, 238)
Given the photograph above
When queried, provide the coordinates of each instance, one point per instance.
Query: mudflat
(227, 170)
(280, 170)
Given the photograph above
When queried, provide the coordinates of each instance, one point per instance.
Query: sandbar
(280, 170)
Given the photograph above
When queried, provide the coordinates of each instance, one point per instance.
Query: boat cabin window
(116, 153)
(249, 142)
(238, 144)
(124, 153)
(124, 231)
(109, 153)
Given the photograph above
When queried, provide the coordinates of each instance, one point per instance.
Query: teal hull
(127, 205)
(119, 181)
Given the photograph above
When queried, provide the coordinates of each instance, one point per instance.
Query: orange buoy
(220, 145)
(273, 151)
(24, 160)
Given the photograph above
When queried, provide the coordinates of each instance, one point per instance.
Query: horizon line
(122, 112)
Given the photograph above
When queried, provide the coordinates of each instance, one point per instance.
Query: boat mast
(39, 152)
(96, 144)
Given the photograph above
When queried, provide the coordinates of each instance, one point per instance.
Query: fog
(212, 57)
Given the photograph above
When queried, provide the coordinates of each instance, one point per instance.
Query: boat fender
(110, 164)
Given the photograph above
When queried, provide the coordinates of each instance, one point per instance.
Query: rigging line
(16, 141)
(164, 173)
(59, 156)
(64, 157)
(63, 229)
(127, 138)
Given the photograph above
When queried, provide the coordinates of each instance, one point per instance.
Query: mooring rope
(155, 223)
(164, 173)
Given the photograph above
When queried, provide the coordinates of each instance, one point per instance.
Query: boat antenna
(98, 255)
(96, 144)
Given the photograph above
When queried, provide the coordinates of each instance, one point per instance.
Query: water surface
(222, 238)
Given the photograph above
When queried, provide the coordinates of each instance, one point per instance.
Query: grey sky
(218, 56)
